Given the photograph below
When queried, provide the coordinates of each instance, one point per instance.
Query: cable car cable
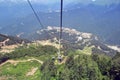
(35, 14)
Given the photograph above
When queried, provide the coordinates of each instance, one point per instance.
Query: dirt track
(17, 61)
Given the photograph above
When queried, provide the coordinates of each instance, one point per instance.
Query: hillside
(83, 55)
(72, 39)
(10, 40)
(9, 43)
(38, 62)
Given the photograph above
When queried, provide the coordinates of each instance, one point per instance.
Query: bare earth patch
(8, 49)
(32, 72)
(114, 47)
(7, 78)
(48, 42)
(3, 78)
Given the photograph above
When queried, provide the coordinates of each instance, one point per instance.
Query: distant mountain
(73, 40)
(12, 12)
(114, 38)
(96, 19)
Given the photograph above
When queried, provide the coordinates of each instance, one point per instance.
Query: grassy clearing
(20, 70)
(86, 50)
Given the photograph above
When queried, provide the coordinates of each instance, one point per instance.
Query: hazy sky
(101, 2)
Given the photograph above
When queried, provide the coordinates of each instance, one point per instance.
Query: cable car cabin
(59, 58)
(53, 58)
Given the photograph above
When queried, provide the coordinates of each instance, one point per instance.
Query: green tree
(115, 69)
(48, 70)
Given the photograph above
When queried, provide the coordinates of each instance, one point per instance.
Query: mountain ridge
(99, 20)
(72, 40)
